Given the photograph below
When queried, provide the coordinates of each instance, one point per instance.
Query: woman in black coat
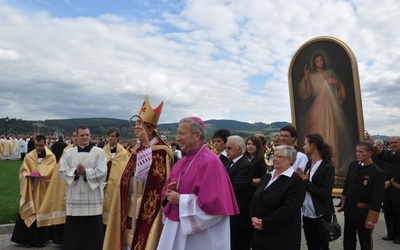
(254, 153)
(318, 177)
(276, 204)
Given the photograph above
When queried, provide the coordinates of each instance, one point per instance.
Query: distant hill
(244, 129)
(99, 127)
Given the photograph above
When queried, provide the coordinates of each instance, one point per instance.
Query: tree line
(99, 127)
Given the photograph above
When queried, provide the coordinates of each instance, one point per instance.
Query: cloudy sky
(217, 59)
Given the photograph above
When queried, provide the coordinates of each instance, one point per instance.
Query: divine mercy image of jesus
(324, 102)
(326, 114)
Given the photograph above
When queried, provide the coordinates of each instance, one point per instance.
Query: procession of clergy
(11, 148)
(110, 198)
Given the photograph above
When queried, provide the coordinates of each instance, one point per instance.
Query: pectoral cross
(81, 193)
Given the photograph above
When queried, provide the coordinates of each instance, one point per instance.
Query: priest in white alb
(84, 169)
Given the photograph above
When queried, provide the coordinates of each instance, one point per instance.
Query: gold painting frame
(309, 101)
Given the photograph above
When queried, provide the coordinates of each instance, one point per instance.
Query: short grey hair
(276, 134)
(239, 142)
(288, 152)
(195, 127)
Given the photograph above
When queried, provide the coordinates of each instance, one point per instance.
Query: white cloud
(200, 59)
(9, 55)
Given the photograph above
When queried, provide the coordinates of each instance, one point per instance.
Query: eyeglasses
(230, 148)
(278, 156)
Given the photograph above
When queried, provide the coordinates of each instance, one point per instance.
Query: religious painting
(325, 98)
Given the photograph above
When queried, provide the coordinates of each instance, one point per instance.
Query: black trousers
(239, 238)
(390, 217)
(396, 219)
(83, 233)
(23, 156)
(311, 229)
(351, 229)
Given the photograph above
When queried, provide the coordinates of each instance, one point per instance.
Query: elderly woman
(275, 209)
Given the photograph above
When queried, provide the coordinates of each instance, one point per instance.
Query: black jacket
(363, 190)
(279, 207)
(241, 176)
(320, 188)
(393, 173)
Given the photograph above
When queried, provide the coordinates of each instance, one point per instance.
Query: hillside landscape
(99, 127)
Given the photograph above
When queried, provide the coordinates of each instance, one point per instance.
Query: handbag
(329, 231)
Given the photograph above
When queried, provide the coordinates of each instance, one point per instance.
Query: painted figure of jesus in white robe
(326, 116)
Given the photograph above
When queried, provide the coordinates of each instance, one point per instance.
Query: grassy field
(9, 190)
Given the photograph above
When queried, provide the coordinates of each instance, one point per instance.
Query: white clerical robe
(84, 197)
(196, 229)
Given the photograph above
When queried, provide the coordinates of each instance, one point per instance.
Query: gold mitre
(149, 115)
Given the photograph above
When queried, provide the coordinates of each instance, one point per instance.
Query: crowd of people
(16, 146)
(226, 193)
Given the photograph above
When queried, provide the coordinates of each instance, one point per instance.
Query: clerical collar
(113, 149)
(41, 154)
(85, 149)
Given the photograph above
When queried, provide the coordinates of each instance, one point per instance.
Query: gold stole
(118, 217)
(53, 212)
(148, 221)
(117, 166)
(33, 200)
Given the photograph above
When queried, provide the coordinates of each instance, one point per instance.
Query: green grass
(9, 190)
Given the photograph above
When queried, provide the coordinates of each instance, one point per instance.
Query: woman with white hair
(275, 209)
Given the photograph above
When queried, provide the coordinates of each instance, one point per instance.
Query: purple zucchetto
(199, 120)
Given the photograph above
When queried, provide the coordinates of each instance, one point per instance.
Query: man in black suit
(240, 172)
(362, 198)
(392, 203)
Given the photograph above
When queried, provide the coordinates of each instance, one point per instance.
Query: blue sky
(130, 9)
(217, 59)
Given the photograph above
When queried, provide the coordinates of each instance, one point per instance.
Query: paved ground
(379, 232)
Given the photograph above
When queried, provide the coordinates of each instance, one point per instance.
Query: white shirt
(178, 153)
(288, 172)
(235, 160)
(308, 205)
(223, 153)
(24, 147)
